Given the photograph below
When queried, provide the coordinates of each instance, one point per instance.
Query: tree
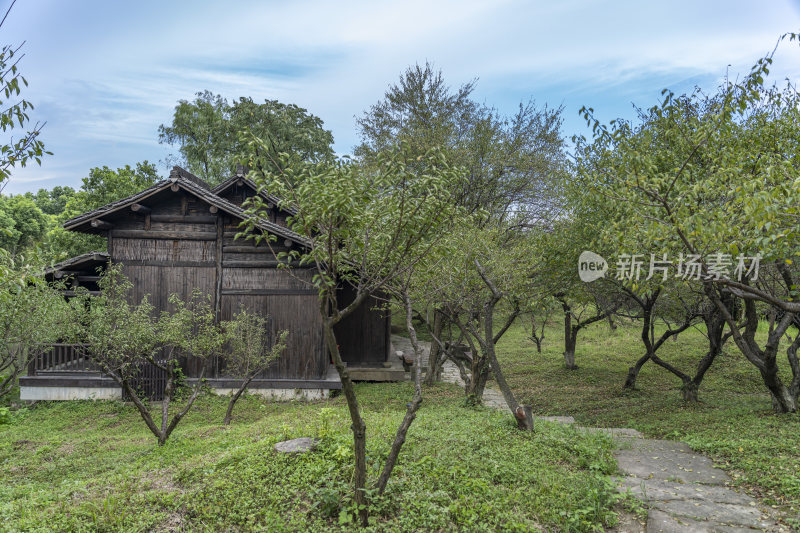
(121, 337)
(575, 319)
(363, 226)
(33, 315)
(480, 270)
(22, 223)
(540, 313)
(665, 303)
(512, 162)
(556, 251)
(53, 201)
(103, 186)
(14, 114)
(207, 133)
(251, 349)
(714, 177)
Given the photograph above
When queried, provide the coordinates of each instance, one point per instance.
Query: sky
(104, 75)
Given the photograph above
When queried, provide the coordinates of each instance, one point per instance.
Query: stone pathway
(682, 490)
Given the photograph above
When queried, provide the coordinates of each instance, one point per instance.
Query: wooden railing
(61, 357)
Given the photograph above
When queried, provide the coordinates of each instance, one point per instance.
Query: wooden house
(179, 235)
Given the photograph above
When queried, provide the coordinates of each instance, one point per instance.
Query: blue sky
(105, 75)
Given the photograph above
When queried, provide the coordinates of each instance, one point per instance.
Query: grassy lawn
(733, 422)
(92, 466)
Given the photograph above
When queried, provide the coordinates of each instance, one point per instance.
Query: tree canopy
(512, 162)
(22, 223)
(207, 130)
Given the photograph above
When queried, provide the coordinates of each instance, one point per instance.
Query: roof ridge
(198, 190)
(180, 172)
(277, 200)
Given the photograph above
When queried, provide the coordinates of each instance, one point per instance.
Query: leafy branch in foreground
(14, 114)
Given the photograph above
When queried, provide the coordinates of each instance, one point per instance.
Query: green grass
(733, 422)
(92, 466)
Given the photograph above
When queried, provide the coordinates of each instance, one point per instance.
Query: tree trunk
(165, 404)
(358, 426)
(522, 414)
(234, 399)
(143, 412)
(570, 341)
(689, 391)
(535, 337)
(794, 364)
(571, 331)
(434, 358)
(647, 315)
(633, 372)
(411, 409)
(715, 328)
(783, 399)
(477, 382)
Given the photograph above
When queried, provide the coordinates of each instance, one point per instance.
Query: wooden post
(218, 288)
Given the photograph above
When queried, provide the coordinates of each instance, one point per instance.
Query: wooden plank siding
(177, 254)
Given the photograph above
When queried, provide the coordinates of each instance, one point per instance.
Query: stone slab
(301, 445)
(655, 446)
(661, 522)
(559, 419)
(660, 490)
(670, 466)
(613, 432)
(748, 516)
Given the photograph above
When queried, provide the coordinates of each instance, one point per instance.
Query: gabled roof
(189, 183)
(241, 179)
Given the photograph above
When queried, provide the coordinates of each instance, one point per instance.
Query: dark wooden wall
(181, 245)
(363, 336)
